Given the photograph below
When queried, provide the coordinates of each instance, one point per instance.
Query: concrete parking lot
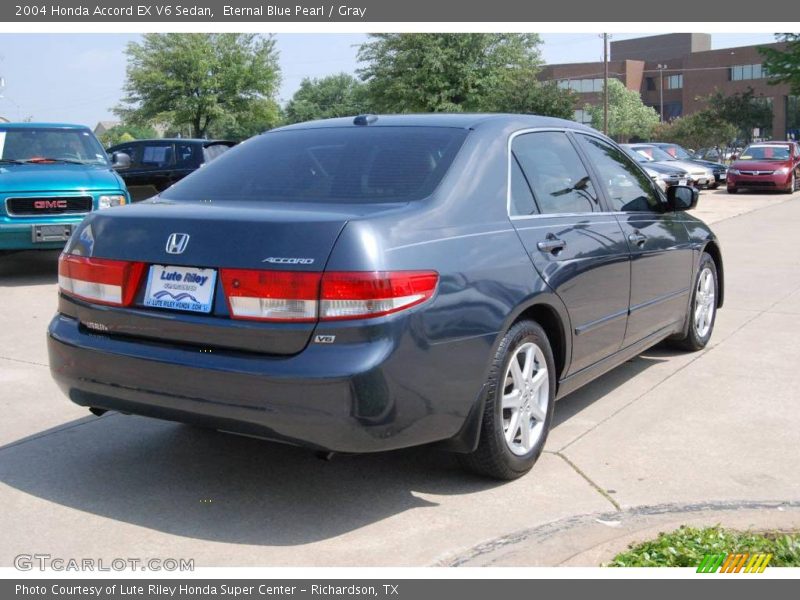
(666, 438)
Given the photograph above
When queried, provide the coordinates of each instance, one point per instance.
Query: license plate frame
(169, 288)
(42, 234)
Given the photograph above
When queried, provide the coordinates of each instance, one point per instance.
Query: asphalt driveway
(715, 430)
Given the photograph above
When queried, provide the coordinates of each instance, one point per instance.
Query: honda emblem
(177, 242)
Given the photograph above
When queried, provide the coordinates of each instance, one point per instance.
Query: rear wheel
(518, 409)
(702, 308)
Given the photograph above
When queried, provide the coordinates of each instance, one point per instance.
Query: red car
(766, 166)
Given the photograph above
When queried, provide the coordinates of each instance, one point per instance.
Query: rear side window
(335, 165)
(187, 155)
(522, 202)
(555, 172)
(157, 156)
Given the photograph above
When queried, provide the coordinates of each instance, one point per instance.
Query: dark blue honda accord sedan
(370, 283)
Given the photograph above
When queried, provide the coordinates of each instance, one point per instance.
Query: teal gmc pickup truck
(51, 176)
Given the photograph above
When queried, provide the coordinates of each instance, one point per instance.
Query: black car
(680, 153)
(370, 283)
(151, 166)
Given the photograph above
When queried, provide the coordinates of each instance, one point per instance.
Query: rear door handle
(637, 238)
(552, 245)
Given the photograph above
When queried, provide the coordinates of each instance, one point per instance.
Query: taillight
(359, 295)
(271, 295)
(305, 297)
(99, 280)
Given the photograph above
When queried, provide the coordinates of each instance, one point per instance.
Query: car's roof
(457, 120)
(41, 126)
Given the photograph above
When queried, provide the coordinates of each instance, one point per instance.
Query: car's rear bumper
(354, 398)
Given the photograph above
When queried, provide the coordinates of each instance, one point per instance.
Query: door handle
(553, 245)
(637, 238)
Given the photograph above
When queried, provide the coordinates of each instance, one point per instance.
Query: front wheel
(703, 307)
(792, 184)
(732, 190)
(518, 410)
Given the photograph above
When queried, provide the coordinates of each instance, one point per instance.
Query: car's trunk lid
(245, 235)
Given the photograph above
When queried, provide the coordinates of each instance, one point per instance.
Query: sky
(78, 78)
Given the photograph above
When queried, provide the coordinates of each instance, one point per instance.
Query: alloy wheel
(526, 394)
(704, 302)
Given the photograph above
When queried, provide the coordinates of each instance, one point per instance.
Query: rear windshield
(335, 165)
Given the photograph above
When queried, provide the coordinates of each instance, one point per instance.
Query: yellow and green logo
(734, 563)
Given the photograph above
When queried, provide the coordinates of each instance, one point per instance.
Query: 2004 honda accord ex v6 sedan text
(370, 283)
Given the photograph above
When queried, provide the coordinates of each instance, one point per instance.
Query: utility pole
(661, 90)
(605, 83)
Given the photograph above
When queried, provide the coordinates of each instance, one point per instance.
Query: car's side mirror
(734, 156)
(682, 197)
(120, 160)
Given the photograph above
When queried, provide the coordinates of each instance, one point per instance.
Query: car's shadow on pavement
(219, 487)
(38, 267)
(580, 399)
(203, 484)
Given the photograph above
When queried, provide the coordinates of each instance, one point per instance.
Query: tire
(732, 190)
(699, 330)
(792, 185)
(713, 186)
(495, 456)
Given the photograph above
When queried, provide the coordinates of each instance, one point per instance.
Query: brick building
(686, 70)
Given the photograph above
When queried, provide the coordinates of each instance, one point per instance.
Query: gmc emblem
(45, 204)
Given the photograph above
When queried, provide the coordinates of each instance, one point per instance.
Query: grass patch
(686, 547)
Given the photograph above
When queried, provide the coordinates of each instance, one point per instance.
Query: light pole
(605, 83)
(661, 68)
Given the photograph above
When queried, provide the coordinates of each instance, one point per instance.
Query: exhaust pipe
(97, 412)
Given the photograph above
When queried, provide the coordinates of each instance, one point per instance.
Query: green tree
(783, 66)
(126, 132)
(528, 96)
(428, 72)
(199, 80)
(264, 114)
(332, 96)
(745, 109)
(699, 130)
(627, 115)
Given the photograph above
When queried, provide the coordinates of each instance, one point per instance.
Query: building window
(672, 110)
(745, 72)
(673, 82)
(650, 84)
(793, 118)
(582, 86)
(582, 116)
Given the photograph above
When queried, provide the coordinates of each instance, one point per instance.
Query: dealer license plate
(50, 233)
(180, 288)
